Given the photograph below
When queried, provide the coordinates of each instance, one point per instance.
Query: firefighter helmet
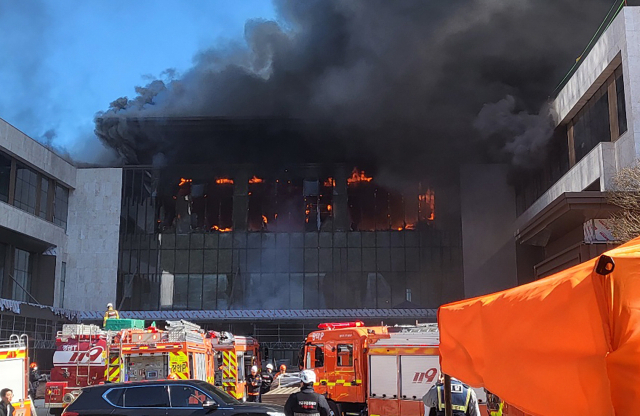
(283, 368)
(172, 376)
(269, 366)
(109, 305)
(254, 369)
(307, 376)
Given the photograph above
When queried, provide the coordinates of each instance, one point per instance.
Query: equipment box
(118, 324)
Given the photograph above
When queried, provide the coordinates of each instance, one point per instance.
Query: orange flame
(358, 176)
(224, 181)
(427, 204)
(329, 207)
(255, 179)
(330, 182)
(184, 181)
(265, 220)
(221, 230)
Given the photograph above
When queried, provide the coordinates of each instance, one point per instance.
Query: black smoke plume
(400, 80)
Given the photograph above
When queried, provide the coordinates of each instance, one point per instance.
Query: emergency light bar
(337, 325)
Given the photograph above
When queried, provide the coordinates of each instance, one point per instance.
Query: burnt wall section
(307, 237)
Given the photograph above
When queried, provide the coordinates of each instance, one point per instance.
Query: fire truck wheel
(335, 407)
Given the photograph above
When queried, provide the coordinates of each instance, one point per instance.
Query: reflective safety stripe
(113, 369)
(337, 382)
(499, 411)
(17, 353)
(305, 414)
(179, 364)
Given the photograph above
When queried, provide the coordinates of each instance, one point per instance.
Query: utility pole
(448, 411)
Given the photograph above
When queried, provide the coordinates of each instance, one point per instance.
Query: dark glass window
(5, 177)
(61, 206)
(115, 396)
(44, 197)
(315, 356)
(186, 396)
(3, 248)
(345, 355)
(180, 291)
(148, 396)
(26, 185)
(63, 281)
(622, 110)
(22, 275)
(591, 124)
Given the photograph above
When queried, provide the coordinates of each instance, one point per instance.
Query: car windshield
(217, 393)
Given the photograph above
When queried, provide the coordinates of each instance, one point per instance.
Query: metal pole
(448, 411)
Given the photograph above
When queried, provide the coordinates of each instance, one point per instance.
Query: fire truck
(374, 370)
(79, 361)
(182, 350)
(234, 357)
(14, 372)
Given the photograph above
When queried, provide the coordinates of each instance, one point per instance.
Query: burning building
(278, 225)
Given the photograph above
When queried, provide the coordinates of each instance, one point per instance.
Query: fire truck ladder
(78, 330)
(15, 341)
(113, 362)
(183, 331)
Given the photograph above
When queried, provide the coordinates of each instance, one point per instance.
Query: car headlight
(275, 413)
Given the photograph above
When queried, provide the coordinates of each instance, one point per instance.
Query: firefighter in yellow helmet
(110, 314)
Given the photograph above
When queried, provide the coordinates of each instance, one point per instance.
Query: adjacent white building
(59, 229)
(561, 211)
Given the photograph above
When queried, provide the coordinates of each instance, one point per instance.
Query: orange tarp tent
(568, 344)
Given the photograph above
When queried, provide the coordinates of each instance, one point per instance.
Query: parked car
(166, 397)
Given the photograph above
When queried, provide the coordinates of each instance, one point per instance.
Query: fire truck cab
(234, 357)
(375, 370)
(14, 371)
(79, 361)
(181, 350)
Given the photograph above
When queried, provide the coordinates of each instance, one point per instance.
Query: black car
(164, 398)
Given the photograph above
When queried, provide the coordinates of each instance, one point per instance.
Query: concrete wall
(488, 214)
(18, 144)
(93, 239)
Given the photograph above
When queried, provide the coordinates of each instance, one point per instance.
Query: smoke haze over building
(403, 79)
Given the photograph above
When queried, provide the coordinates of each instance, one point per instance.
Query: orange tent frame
(568, 344)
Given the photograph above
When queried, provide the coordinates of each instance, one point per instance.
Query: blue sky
(61, 61)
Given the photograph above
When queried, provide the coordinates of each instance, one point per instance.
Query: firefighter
(283, 369)
(494, 404)
(6, 408)
(110, 314)
(34, 379)
(267, 379)
(307, 401)
(463, 399)
(253, 386)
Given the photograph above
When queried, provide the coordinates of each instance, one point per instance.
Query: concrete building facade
(59, 233)
(561, 209)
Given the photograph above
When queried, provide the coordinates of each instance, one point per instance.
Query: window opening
(344, 355)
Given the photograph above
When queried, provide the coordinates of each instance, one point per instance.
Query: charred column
(340, 201)
(240, 200)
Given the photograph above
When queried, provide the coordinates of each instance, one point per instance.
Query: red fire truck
(235, 355)
(152, 354)
(375, 370)
(79, 361)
